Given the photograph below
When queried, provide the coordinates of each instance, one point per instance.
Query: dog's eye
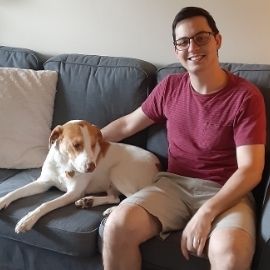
(77, 146)
(93, 145)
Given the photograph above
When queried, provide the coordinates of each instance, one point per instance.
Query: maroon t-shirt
(204, 130)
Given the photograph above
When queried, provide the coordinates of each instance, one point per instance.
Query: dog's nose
(90, 166)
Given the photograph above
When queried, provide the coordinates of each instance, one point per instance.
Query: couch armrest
(261, 259)
(262, 255)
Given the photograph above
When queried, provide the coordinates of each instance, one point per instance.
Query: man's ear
(55, 134)
(218, 39)
(175, 52)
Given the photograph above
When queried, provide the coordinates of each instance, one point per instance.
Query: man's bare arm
(126, 126)
(250, 160)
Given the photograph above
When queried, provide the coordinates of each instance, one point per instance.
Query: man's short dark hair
(189, 12)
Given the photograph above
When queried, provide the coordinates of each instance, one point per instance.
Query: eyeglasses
(201, 39)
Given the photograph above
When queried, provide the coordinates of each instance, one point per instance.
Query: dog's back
(129, 168)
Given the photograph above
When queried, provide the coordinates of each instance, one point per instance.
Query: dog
(81, 162)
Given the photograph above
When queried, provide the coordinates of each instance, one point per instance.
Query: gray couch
(100, 89)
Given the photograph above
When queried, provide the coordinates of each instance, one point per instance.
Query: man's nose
(192, 45)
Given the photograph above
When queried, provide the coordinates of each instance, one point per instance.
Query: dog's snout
(90, 167)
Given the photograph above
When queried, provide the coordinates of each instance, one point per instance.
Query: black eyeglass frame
(194, 39)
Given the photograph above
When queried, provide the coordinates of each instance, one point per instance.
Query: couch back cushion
(100, 89)
(19, 57)
(256, 73)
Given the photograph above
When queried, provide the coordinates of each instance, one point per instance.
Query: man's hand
(196, 234)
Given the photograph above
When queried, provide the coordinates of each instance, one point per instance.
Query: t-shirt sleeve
(250, 123)
(154, 105)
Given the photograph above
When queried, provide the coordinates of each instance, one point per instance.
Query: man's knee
(129, 223)
(230, 249)
(119, 223)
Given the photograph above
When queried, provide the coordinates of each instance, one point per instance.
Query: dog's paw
(4, 203)
(25, 224)
(109, 210)
(85, 202)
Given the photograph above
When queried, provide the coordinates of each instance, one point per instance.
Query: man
(216, 134)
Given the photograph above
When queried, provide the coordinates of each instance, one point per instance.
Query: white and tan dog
(81, 162)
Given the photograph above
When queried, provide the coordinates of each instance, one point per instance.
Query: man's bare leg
(230, 249)
(126, 228)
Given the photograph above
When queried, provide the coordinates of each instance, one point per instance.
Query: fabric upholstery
(100, 89)
(67, 230)
(19, 57)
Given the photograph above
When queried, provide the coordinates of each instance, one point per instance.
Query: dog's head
(81, 142)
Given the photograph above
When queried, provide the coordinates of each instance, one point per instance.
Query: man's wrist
(208, 212)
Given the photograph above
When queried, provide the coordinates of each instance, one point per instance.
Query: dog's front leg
(36, 187)
(28, 221)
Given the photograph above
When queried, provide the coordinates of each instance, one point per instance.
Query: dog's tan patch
(96, 137)
(86, 202)
(73, 138)
(104, 147)
(72, 132)
(70, 173)
(55, 135)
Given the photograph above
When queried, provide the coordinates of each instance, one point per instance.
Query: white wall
(132, 28)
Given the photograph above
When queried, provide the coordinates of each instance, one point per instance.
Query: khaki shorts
(174, 199)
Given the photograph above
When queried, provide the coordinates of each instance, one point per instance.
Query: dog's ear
(104, 145)
(56, 132)
(100, 136)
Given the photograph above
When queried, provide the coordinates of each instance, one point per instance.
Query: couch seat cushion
(6, 173)
(67, 230)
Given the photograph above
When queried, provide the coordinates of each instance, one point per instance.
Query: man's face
(196, 58)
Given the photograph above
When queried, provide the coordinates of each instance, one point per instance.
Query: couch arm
(262, 255)
(261, 260)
